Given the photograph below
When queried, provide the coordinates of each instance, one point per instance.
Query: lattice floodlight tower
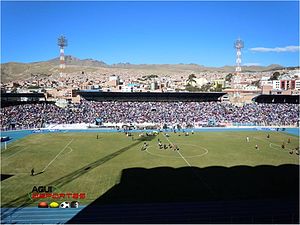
(238, 45)
(62, 42)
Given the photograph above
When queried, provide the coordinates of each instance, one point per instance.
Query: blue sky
(152, 32)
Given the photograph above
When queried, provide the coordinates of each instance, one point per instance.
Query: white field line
(7, 148)
(109, 182)
(270, 143)
(17, 152)
(57, 155)
(184, 159)
(207, 186)
(10, 147)
(187, 157)
(94, 184)
(100, 184)
(178, 152)
(71, 150)
(163, 156)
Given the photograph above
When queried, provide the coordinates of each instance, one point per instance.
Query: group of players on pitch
(170, 146)
(161, 146)
(167, 146)
(283, 145)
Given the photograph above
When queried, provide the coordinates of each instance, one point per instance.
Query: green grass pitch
(79, 162)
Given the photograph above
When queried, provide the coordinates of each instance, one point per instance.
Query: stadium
(149, 112)
(145, 158)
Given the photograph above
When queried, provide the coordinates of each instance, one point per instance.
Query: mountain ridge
(11, 71)
(72, 59)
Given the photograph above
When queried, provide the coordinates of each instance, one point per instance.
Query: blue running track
(35, 215)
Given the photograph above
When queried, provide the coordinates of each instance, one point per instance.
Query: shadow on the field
(5, 176)
(38, 173)
(241, 194)
(24, 200)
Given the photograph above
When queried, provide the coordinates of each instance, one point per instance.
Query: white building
(199, 82)
(250, 88)
(297, 85)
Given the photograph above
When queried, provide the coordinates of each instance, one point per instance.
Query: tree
(218, 88)
(191, 79)
(275, 76)
(256, 83)
(152, 76)
(206, 87)
(191, 88)
(228, 77)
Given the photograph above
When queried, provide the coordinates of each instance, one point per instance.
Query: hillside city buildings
(63, 89)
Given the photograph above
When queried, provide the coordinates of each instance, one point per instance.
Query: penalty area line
(57, 155)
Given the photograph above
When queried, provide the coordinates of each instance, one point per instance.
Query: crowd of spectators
(170, 113)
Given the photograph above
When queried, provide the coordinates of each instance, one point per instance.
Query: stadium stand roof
(8, 99)
(19, 95)
(151, 96)
(292, 99)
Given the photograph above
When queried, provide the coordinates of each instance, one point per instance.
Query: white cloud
(276, 49)
(251, 64)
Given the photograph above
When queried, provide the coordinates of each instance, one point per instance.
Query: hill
(18, 71)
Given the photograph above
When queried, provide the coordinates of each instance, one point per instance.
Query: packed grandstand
(187, 114)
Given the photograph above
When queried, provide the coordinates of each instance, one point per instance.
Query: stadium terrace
(159, 114)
